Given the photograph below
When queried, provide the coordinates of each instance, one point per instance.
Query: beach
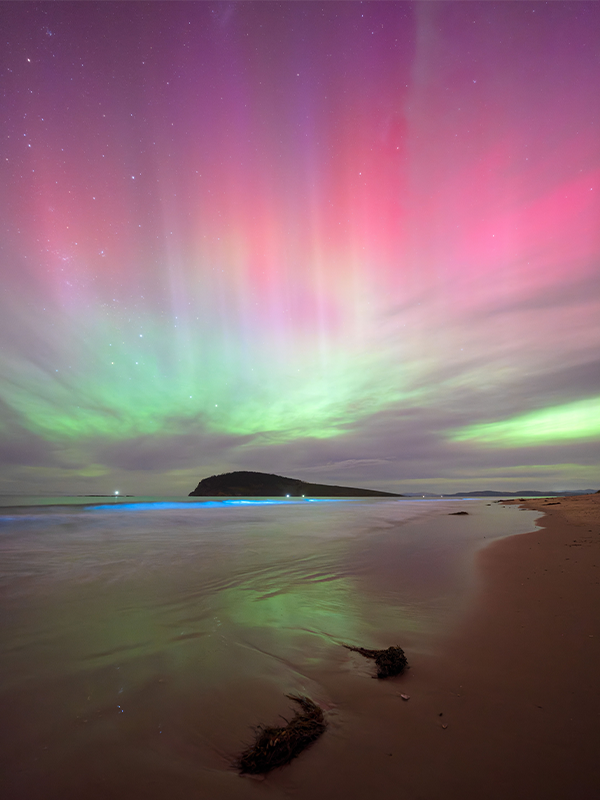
(509, 707)
(519, 683)
(133, 673)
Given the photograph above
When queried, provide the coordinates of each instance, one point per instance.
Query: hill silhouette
(262, 484)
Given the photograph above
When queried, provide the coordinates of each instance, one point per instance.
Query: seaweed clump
(277, 746)
(390, 661)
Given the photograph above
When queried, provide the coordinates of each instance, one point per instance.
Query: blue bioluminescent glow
(166, 506)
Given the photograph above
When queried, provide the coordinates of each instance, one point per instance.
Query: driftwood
(277, 746)
(389, 662)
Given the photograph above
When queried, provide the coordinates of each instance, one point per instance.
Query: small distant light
(116, 492)
(287, 495)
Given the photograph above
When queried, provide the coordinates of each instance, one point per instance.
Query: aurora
(579, 420)
(355, 244)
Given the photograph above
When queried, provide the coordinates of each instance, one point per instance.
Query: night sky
(348, 242)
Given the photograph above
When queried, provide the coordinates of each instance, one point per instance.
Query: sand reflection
(137, 651)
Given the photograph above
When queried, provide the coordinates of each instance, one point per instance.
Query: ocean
(142, 639)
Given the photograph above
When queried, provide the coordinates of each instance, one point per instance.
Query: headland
(263, 484)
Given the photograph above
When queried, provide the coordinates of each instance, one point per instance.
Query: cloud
(19, 446)
(165, 452)
(569, 292)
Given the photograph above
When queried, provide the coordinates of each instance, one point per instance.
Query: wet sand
(510, 705)
(506, 706)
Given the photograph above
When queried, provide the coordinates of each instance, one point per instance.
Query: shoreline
(519, 678)
(505, 704)
(508, 706)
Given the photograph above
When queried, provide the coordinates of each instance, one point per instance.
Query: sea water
(141, 639)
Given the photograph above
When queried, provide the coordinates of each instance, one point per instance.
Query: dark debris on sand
(391, 661)
(277, 746)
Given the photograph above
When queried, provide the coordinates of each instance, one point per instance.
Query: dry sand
(519, 684)
(508, 708)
